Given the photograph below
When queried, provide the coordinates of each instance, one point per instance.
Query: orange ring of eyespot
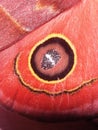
(30, 80)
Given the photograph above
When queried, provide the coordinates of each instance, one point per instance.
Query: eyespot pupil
(50, 59)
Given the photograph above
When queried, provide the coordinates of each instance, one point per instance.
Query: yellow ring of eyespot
(41, 42)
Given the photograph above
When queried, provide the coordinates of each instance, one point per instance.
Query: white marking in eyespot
(48, 56)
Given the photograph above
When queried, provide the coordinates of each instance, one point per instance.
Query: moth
(49, 58)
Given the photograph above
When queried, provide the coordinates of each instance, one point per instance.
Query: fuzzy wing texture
(79, 97)
(19, 17)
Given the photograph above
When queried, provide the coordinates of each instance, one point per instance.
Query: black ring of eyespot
(62, 42)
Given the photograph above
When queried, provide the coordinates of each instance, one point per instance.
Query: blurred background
(13, 121)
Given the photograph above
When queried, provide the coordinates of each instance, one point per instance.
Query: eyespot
(52, 59)
(47, 64)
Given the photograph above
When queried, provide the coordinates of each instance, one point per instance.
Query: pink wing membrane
(19, 17)
(10, 31)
